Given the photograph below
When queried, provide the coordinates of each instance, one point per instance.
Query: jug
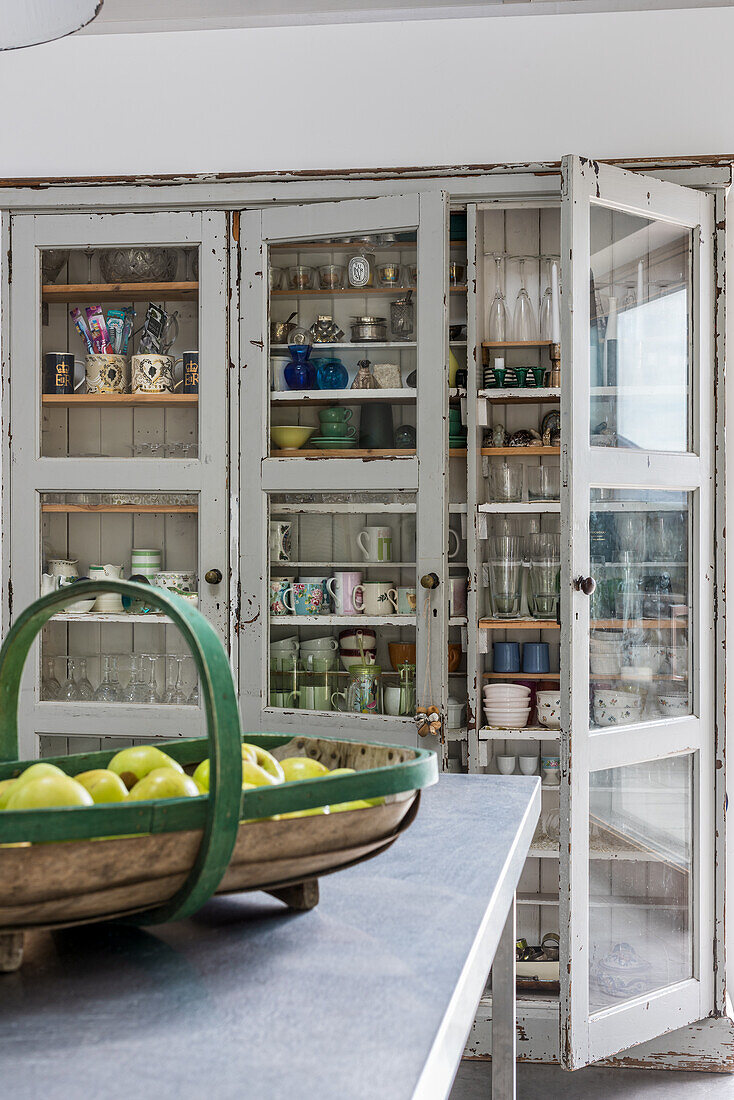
(364, 691)
(108, 602)
(49, 583)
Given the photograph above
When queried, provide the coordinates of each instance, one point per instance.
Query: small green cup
(539, 375)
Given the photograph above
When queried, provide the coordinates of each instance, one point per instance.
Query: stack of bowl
(605, 652)
(349, 651)
(507, 705)
(548, 704)
(323, 649)
(616, 708)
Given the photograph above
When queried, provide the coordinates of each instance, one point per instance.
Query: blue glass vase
(331, 374)
(299, 374)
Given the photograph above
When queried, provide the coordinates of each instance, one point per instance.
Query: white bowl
(349, 641)
(517, 721)
(673, 705)
(315, 645)
(647, 656)
(515, 692)
(603, 664)
(612, 698)
(616, 716)
(349, 658)
(80, 608)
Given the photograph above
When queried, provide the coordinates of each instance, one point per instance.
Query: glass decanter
(50, 686)
(109, 690)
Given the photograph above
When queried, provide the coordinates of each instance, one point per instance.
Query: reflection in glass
(638, 647)
(639, 354)
(640, 920)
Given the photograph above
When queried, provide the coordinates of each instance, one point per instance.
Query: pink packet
(98, 330)
(81, 327)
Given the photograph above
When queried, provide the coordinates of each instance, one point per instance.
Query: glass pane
(342, 594)
(640, 335)
(640, 897)
(110, 650)
(639, 656)
(120, 365)
(343, 350)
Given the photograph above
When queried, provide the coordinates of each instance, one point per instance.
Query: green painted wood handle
(222, 714)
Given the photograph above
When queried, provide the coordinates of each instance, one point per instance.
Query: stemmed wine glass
(109, 690)
(137, 689)
(151, 688)
(546, 304)
(175, 695)
(498, 325)
(524, 326)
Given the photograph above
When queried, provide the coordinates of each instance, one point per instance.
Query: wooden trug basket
(155, 861)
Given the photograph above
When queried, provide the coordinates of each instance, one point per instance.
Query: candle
(555, 306)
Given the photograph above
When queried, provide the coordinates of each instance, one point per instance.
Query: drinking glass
(109, 690)
(498, 324)
(193, 699)
(505, 482)
(151, 688)
(524, 327)
(544, 483)
(175, 695)
(50, 686)
(546, 304)
(137, 689)
(505, 575)
(69, 690)
(544, 588)
(84, 687)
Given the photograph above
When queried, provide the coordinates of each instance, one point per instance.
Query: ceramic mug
(375, 543)
(107, 374)
(406, 600)
(551, 768)
(145, 563)
(376, 598)
(279, 596)
(391, 700)
(457, 597)
(340, 587)
(153, 373)
(308, 597)
(108, 602)
(58, 372)
(280, 540)
(457, 544)
(334, 429)
(336, 415)
(318, 662)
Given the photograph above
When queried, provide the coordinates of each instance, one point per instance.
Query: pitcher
(108, 602)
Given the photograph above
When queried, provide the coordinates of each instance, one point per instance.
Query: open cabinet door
(636, 877)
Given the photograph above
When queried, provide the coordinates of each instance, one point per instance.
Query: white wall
(419, 93)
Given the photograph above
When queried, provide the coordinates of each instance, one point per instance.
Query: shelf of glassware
(519, 624)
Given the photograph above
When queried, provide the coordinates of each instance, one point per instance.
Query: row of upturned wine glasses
(142, 686)
(524, 326)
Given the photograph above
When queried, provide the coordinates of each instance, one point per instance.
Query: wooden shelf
(645, 624)
(539, 450)
(103, 617)
(343, 620)
(354, 292)
(122, 292)
(518, 624)
(163, 509)
(313, 565)
(288, 398)
(357, 345)
(521, 675)
(457, 452)
(120, 400)
(525, 396)
(353, 452)
(517, 343)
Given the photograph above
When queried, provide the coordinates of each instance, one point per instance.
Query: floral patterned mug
(308, 597)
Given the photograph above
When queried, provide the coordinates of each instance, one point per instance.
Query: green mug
(335, 415)
(333, 430)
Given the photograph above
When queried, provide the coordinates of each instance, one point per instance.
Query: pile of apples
(144, 772)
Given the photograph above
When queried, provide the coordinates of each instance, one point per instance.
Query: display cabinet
(443, 443)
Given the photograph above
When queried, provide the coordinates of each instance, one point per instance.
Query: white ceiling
(126, 16)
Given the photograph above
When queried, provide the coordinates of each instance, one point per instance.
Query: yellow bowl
(290, 436)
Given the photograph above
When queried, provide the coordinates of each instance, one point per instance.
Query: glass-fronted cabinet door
(637, 609)
(345, 417)
(119, 406)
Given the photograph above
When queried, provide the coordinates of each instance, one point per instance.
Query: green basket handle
(222, 715)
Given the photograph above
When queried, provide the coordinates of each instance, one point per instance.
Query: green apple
(37, 771)
(134, 763)
(341, 771)
(249, 820)
(307, 813)
(6, 786)
(103, 785)
(302, 767)
(358, 804)
(253, 773)
(265, 760)
(47, 791)
(164, 783)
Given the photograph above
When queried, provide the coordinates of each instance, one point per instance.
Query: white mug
(376, 598)
(391, 699)
(457, 544)
(375, 543)
(341, 588)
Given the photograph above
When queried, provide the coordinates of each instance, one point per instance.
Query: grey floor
(473, 1082)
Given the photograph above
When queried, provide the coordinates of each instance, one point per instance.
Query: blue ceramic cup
(506, 657)
(535, 657)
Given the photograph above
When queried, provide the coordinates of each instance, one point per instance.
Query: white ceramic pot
(176, 580)
(63, 567)
(673, 706)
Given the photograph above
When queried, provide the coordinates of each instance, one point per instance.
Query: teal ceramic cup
(336, 415)
(332, 429)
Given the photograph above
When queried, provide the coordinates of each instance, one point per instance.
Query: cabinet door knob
(213, 576)
(430, 580)
(587, 585)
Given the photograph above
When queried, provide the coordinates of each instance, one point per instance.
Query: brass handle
(213, 576)
(587, 585)
(430, 580)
